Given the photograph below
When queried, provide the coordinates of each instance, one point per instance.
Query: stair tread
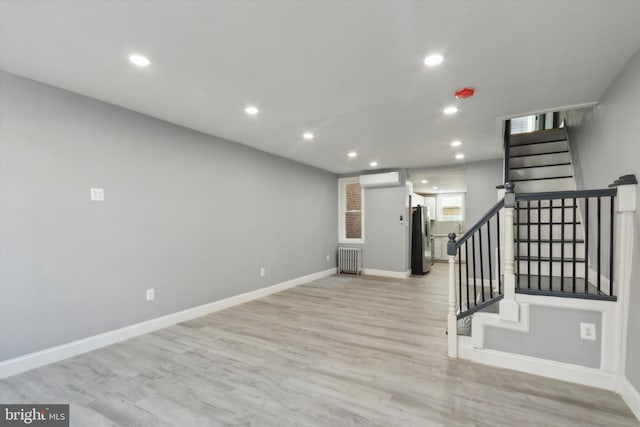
(543, 135)
(522, 286)
(525, 144)
(542, 178)
(539, 154)
(553, 259)
(541, 166)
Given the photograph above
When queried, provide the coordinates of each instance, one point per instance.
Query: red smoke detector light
(464, 93)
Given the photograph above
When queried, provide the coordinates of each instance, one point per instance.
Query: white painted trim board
(546, 368)
(631, 396)
(53, 354)
(387, 273)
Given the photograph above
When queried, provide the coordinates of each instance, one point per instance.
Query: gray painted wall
(482, 179)
(554, 334)
(605, 144)
(482, 195)
(191, 215)
(385, 239)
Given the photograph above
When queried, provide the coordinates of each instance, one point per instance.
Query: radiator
(350, 260)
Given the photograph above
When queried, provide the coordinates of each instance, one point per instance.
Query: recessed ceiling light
(450, 110)
(307, 135)
(139, 60)
(459, 156)
(352, 154)
(424, 181)
(251, 110)
(435, 188)
(432, 60)
(456, 143)
(373, 164)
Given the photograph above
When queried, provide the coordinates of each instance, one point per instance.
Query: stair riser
(534, 137)
(547, 159)
(560, 184)
(546, 234)
(556, 250)
(543, 269)
(542, 172)
(538, 148)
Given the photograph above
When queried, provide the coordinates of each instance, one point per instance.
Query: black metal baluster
(574, 244)
(517, 245)
(490, 267)
(599, 247)
(499, 257)
(459, 281)
(481, 263)
(586, 245)
(529, 244)
(561, 247)
(466, 268)
(550, 244)
(612, 219)
(473, 250)
(540, 245)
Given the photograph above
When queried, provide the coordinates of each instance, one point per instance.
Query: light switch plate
(151, 294)
(97, 194)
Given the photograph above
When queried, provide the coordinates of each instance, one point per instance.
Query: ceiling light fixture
(433, 60)
(435, 188)
(450, 110)
(352, 154)
(459, 156)
(139, 60)
(308, 136)
(373, 164)
(424, 181)
(456, 143)
(251, 110)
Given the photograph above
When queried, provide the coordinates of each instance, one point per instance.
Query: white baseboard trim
(50, 355)
(631, 396)
(387, 273)
(546, 368)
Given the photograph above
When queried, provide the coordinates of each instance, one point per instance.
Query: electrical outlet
(262, 272)
(151, 294)
(97, 194)
(588, 331)
(328, 258)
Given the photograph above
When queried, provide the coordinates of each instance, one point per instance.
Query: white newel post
(625, 209)
(452, 320)
(508, 305)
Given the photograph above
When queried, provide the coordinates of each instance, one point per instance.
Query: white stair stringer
(605, 376)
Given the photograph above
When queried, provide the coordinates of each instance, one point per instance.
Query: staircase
(540, 161)
(550, 254)
(543, 279)
(555, 251)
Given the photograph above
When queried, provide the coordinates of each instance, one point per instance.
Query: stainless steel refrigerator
(421, 244)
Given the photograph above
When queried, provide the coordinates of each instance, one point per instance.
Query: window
(351, 211)
(450, 207)
(523, 124)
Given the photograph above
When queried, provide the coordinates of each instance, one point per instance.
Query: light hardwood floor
(339, 351)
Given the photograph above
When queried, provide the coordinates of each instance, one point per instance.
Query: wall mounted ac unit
(387, 179)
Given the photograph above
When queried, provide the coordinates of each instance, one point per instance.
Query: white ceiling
(449, 179)
(351, 72)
